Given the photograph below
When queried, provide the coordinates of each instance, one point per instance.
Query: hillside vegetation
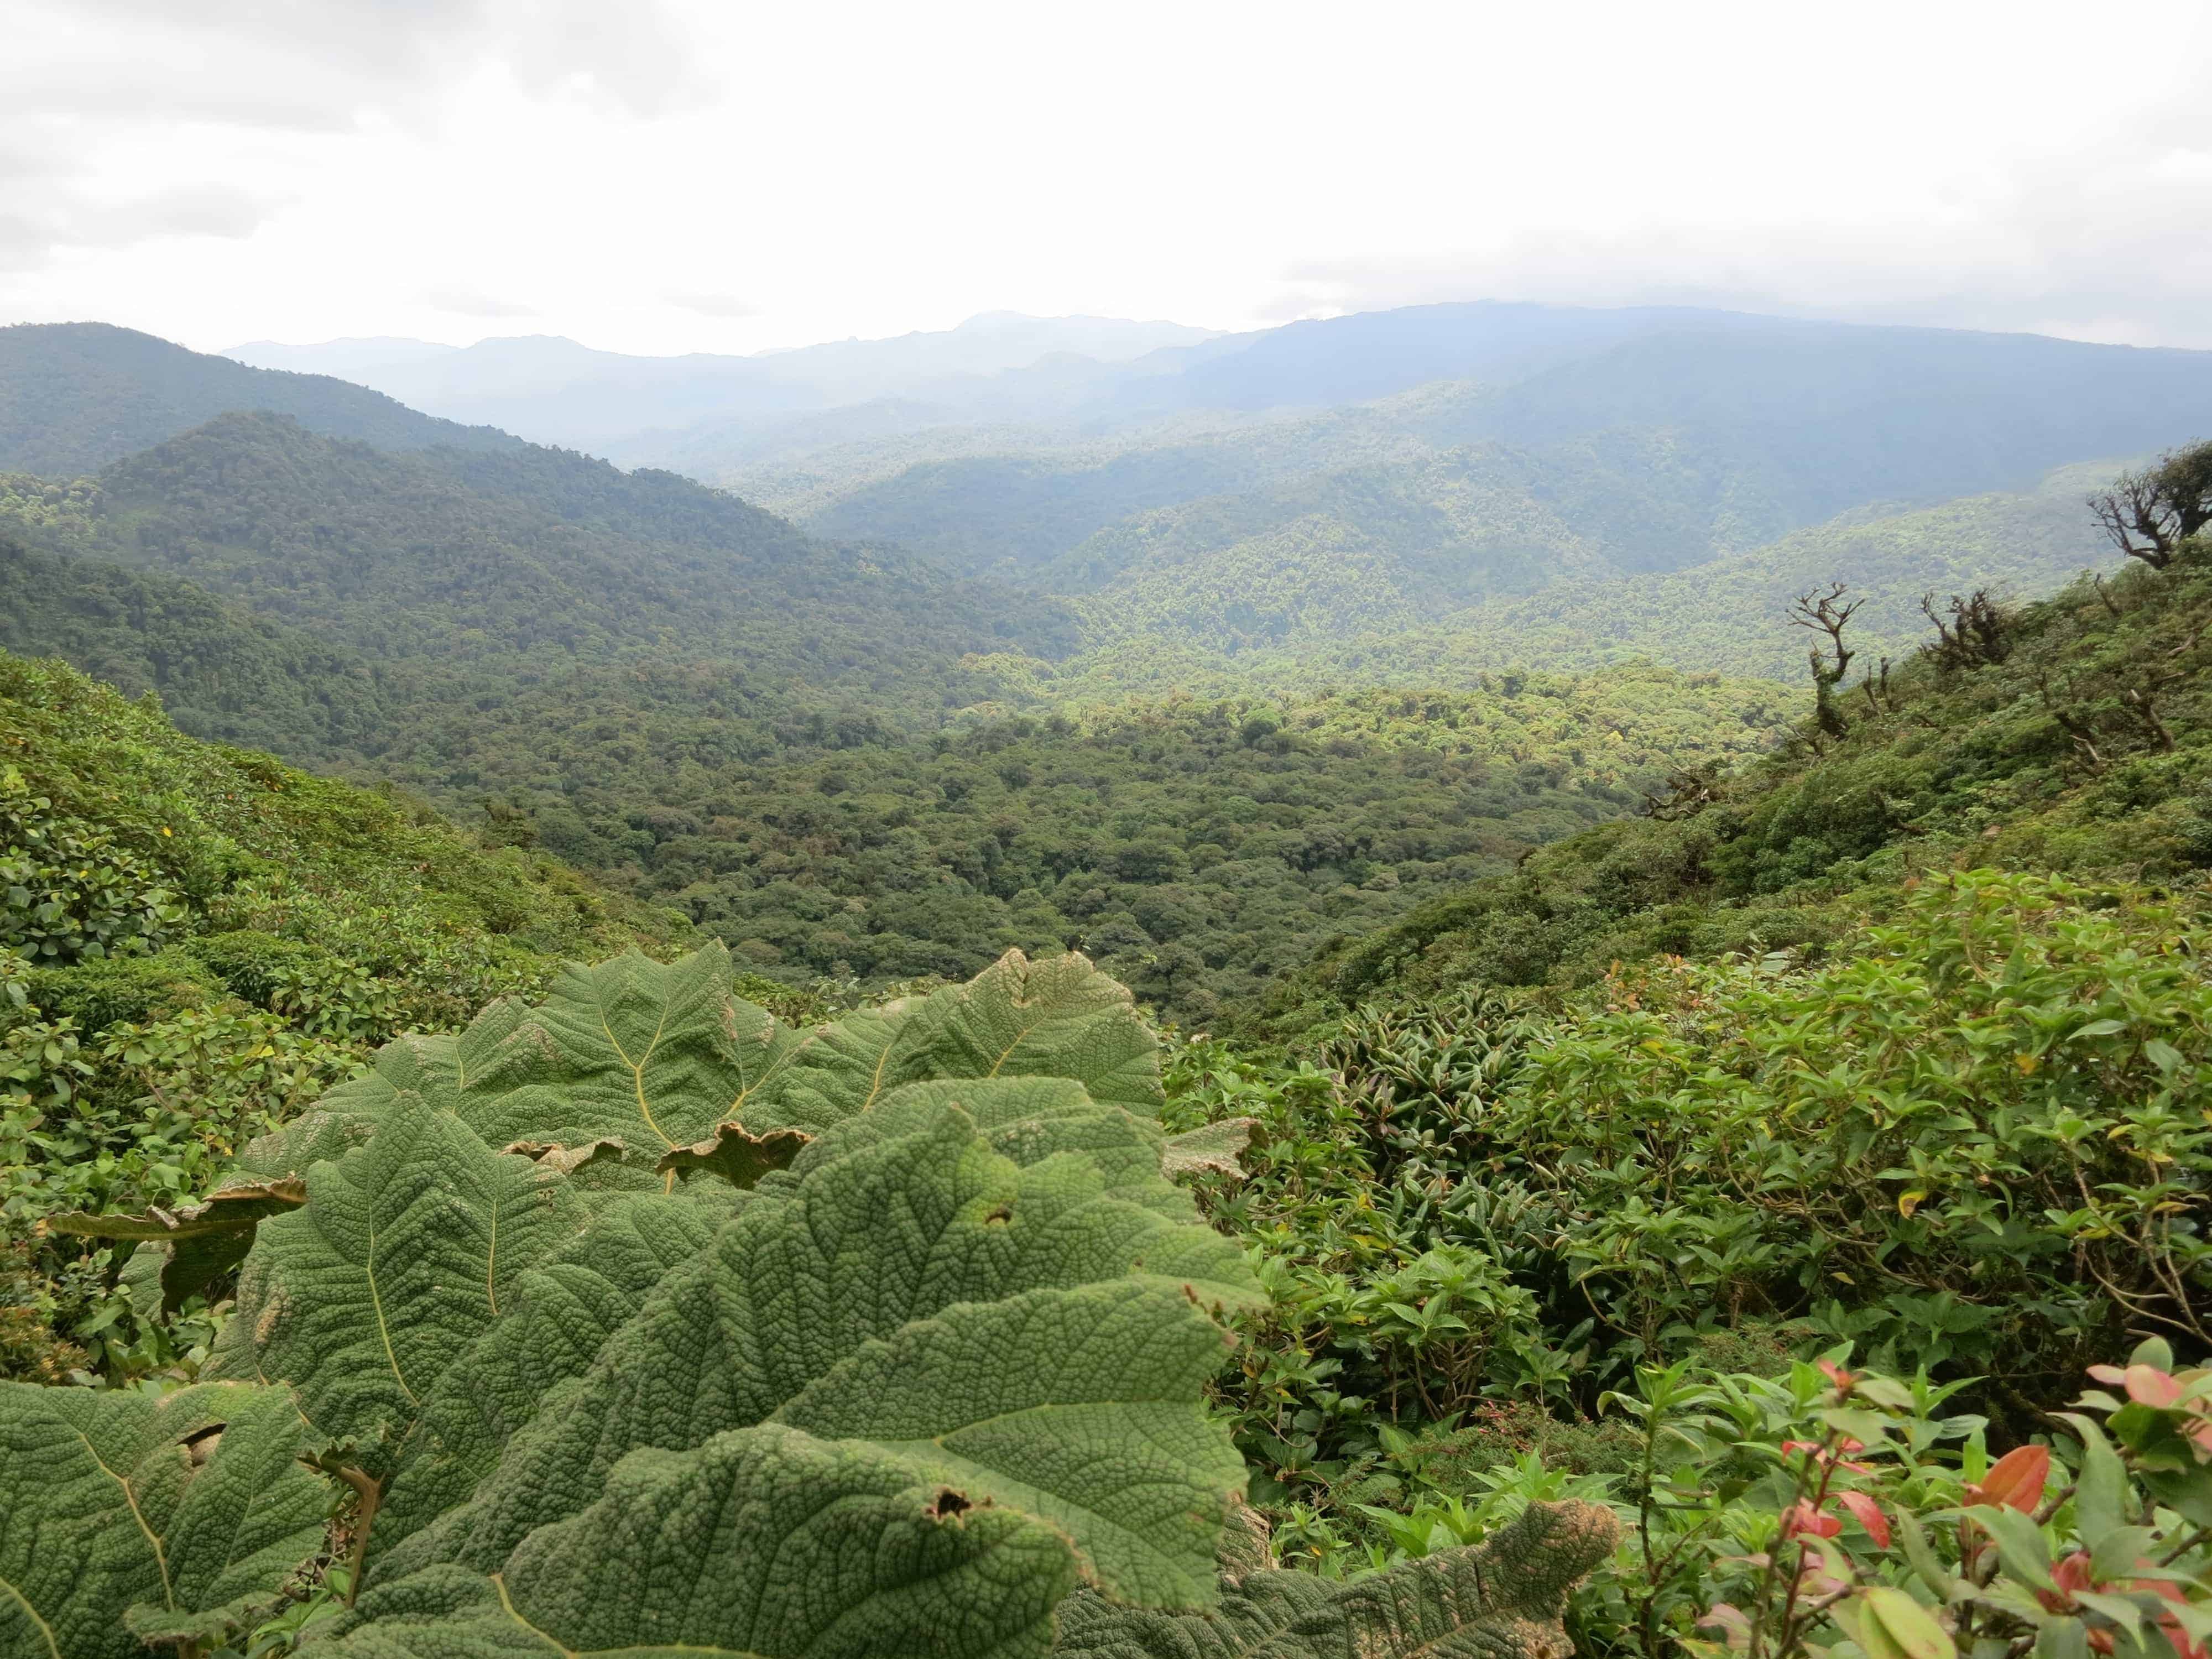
(1279, 621)
(1764, 1167)
(194, 940)
(221, 672)
(1195, 848)
(1651, 453)
(75, 395)
(839, 759)
(465, 595)
(2070, 740)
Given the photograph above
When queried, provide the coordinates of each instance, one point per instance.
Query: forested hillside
(2067, 736)
(1801, 420)
(1280, 617)
(75, 395)
(221, 672)
(1573, 503)
(194, 940)
(839, 759)
(507, 587)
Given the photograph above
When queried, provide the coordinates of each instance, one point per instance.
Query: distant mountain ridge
(1682, 439)
(553, 390)
(77, 396)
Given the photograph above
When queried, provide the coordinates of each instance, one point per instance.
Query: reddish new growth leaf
(2015, 1481)
(1869, 1516)
(1804, 1518)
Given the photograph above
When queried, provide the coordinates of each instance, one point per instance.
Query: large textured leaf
(553, 1322)
(632, 1070)
(1057, 1016)
(1027, 1119)
(968, 1326)
(1500, 1600)
(398, 1261)
(763, 1542)
(1020, 1334)
(650, 1056)
(116, 1502)
(564, 1309)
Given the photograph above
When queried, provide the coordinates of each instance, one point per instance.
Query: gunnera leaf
(117, 1505)
(397, 1263)
(1023, 1337)
(629, 1069)
(653, 1056)
(763, 1542)
(552, 1322)
(566, 1307)
(1054, 1017)
(1500, 1599)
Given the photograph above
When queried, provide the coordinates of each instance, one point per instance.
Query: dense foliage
(2073, 739)
(223, 672)
(193, 942)
(1592, 495)
(851, 796)
(1198, 850)
(1726, 614)
(1613, 1150)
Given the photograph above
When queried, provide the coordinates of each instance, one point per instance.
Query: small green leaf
(2097, 1028)
(1891, 1625)
(2021, 1543)
(2100, 1492)
(1912, 1538)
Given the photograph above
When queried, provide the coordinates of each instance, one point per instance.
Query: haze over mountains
(553, 391)
(1411, 494)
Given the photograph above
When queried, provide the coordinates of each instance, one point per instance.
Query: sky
(662, 176)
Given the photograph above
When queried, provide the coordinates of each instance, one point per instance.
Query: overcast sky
(660, 175)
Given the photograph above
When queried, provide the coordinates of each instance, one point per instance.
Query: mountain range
(939, 635)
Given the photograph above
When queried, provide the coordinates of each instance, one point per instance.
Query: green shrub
(260, 967)
(104, 991)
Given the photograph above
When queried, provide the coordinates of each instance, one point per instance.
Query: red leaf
(1803, 1517)
(2014, 1480)
(1869, 1516)
(2072, 1573)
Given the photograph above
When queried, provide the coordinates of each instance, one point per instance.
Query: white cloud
(690, 175)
